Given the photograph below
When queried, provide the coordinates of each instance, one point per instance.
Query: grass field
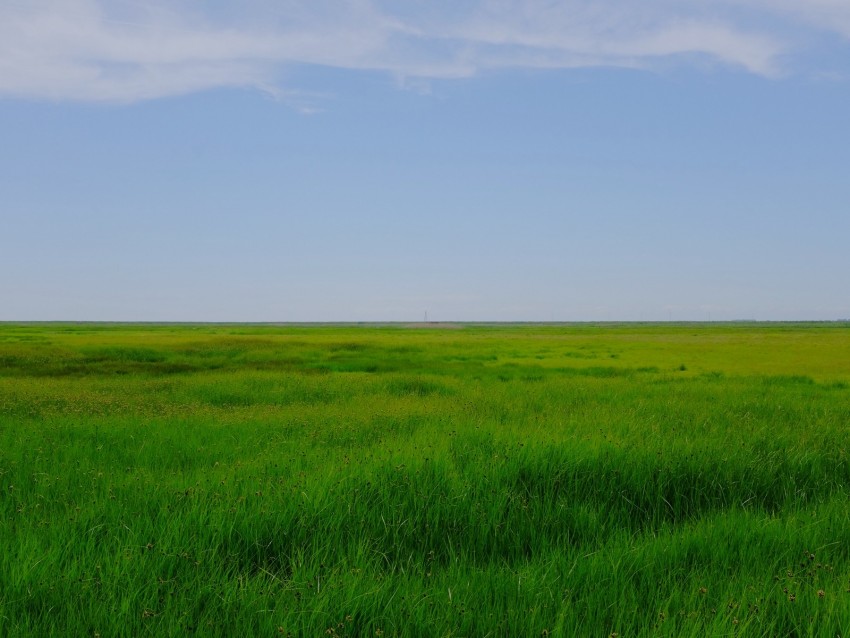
(534, 480)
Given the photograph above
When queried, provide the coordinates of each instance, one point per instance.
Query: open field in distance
(467, 480)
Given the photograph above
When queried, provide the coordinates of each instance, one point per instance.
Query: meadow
(475, 480)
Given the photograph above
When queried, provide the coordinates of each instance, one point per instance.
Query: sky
(376, 160)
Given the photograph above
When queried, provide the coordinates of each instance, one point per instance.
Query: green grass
(638, 480)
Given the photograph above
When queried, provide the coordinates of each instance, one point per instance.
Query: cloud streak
(127, 51)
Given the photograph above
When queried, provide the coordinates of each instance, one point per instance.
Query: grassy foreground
(632, 480)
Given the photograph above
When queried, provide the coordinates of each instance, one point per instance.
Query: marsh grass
(360, 481)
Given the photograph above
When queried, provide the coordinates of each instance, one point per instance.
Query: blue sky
(368, 160)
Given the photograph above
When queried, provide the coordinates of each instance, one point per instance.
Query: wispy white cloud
(827, 15)
(126, 50)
